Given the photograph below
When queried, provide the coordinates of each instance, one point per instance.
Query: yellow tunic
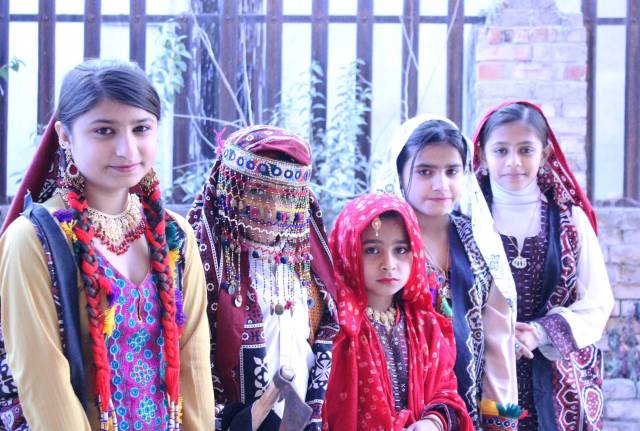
(34, 350)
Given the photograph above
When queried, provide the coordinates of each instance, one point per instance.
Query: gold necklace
(520, 262)
(117, 232)
(387, 318)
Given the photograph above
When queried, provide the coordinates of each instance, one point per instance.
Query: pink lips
(440, 199)
(125, 168)
(387, 280)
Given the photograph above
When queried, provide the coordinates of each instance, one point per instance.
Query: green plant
(337, 160)
(171, 63)
(14, 64)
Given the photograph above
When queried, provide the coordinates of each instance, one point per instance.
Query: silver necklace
(520, 262)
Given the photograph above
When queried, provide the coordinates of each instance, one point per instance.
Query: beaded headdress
(263, 209)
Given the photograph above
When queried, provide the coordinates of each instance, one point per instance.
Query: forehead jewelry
(376, 224)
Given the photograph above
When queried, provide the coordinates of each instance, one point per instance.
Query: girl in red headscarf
(548, 230)
(393, 358)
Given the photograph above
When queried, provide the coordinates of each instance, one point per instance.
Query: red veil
(359, 393)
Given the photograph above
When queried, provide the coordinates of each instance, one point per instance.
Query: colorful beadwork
(263, 206)
(253, 165)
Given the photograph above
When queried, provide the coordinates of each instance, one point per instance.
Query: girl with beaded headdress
(393, 357)
(141, 320)
(269, 280)
(428, 163)
(548, 230)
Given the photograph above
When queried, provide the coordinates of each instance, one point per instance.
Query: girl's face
(513, 153)
(386, 260)
(113, 145)
(435, 184)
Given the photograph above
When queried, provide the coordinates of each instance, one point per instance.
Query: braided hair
(83, 88)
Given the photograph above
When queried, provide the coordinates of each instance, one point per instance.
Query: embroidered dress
(135, 353)
(529, 285)
(396, 352)
(41, 369)
(576, 295)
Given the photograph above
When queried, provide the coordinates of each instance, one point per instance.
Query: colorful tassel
(445, 308)
(512, 411)
(64, 215)
(509, 410)
(67, 228)
(489, 408)
(173, 257)
(180, 317)
(171, 232)
(109, 322)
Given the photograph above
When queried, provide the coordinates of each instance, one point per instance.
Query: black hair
(431, 132)
(93, 81)
(390, 215)
(515, 112)
(395, 215)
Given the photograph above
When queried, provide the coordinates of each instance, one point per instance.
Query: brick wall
(529, 50)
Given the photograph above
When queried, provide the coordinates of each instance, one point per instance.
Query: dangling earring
(72, 177)
(541, 170)
(149, 181)
(483, 171)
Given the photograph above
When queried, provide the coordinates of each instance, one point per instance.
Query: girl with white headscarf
(428, 163)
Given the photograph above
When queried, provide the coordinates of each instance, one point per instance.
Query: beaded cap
(263, 209)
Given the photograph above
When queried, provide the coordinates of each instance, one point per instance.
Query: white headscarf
(385, 178)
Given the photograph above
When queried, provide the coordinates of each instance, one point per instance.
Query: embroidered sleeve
(559, 333)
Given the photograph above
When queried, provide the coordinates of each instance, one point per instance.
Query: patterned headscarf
(385, 179)
(578, 376)
(555, 174)
(359, 394)
(42, 176)
(273, 161)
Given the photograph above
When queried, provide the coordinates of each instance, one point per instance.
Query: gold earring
(72, 170)
(149, 181)
(72, 177)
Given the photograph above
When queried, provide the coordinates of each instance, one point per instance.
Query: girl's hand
(423, 425)
(526, 340)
